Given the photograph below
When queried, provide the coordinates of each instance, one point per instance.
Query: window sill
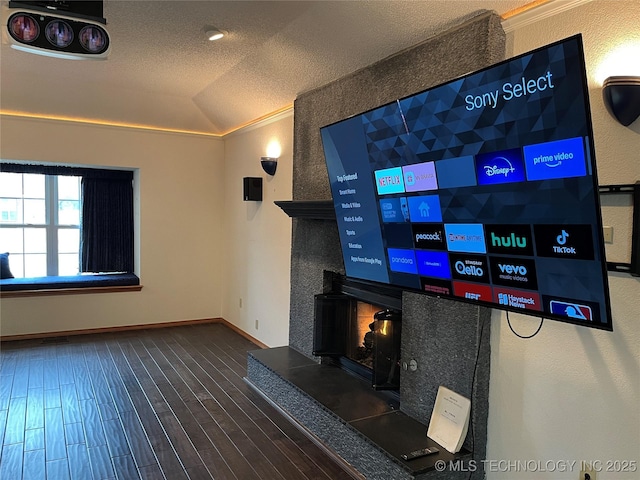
(73, 285)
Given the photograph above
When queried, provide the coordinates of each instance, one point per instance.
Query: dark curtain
(107, 225)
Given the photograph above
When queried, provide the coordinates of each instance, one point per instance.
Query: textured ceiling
(163, 72)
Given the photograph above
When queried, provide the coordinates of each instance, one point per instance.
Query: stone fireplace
(446, 342)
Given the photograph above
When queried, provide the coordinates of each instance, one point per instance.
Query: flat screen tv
(483, 189)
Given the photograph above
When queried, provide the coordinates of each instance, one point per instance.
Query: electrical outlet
(587, 472)
(608, 234)
(256, 324)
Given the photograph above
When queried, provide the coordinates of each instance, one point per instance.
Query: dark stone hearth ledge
(363, 426)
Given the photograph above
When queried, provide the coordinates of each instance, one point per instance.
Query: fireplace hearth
(371, 428)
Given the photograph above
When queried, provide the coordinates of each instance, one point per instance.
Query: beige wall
(178, 235)
(571, 393)
(257, 235)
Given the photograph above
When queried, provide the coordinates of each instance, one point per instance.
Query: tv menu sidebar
(352, 189)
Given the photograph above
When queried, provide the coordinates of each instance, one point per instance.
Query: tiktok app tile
(564, 241)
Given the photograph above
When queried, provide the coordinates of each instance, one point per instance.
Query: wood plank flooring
(165, 403)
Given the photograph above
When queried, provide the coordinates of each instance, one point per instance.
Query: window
(40, 223)
(59, 221)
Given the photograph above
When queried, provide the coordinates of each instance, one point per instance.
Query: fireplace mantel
(309, 209)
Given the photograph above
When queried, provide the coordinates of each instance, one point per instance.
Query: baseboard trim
(88, 331)
(242, 333)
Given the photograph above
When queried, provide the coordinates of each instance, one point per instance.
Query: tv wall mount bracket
(632, 189)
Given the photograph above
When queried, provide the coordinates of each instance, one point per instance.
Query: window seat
(109, 282)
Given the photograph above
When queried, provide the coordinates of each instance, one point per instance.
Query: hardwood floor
(165, 403)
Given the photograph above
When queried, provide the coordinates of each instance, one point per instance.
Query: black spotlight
(621, 96)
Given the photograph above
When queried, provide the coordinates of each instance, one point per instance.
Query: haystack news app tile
(429, 236)
(514, 272)
(564, 241)
(580, 310)
(517, 298)
(470, 268)
(506, 166)
(509, 239)
(472, 291)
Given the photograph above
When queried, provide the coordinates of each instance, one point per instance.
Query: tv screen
(483, 189)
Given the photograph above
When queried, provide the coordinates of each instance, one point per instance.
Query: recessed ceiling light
(214, 34)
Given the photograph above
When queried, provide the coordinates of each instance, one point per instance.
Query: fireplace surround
(359, 336)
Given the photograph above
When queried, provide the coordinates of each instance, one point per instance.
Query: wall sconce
(270, 162)
(269, 165)
(621, 96)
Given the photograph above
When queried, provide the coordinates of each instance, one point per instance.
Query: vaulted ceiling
(162, 72)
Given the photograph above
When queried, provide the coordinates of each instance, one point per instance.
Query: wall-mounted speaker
(252, 189)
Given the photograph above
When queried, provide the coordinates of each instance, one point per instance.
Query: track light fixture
(62, 29)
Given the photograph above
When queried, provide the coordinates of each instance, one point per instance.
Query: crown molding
(103, 123)
(284, 112)
(540, 12)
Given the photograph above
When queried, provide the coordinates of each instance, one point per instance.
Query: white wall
(572, 393)
(179, 234)
(257, 235)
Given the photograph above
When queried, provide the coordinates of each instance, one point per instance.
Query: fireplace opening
(361, 337)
